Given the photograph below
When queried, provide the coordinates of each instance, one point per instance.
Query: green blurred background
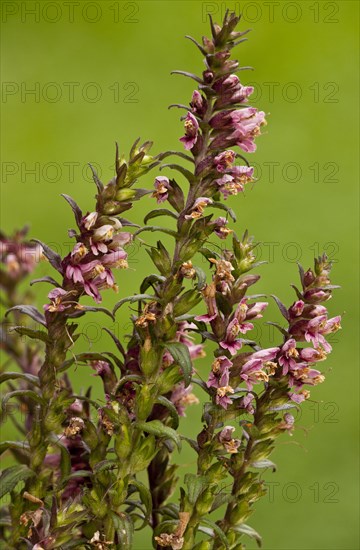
(100, 72)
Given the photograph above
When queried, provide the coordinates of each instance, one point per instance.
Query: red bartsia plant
(77, 483)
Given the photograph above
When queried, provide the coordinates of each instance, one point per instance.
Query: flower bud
(125, 194)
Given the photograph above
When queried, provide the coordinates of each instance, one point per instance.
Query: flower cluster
(81, 457)
(18, 256)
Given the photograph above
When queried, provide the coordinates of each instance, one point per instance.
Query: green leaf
(29, 394)
(105, 465)
(282, 307)
(156, 228)
(35, 334)
(151, 280)
(49, 280)
(157, 428)
(222, 206)
(188, 300)
(65, 463)
(186, 173)
(264, 464)
(145, 497)
(249, 531)
(195, 486)
(160, 212)
(83, 358)
(180, 354)
(116, 340)
(221, 499)
(19, 375)
(53, 257)
(171, 408)
(31, 311)
(132, 299)
(143, 454)
(75, 208)
(98, 183)
(124, 530)
(84, 309)
(201, 277)
(20, 446)
(160, 258)
(216, 531)
(10, 477)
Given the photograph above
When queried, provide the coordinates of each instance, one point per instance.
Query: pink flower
(246, 403)
(198, 208)
(220, 372)
(162, 186)
(288, 355)
(220, 227)
(332, 325)
(297, 308)
(92, 290)
(267, 354)
(191, 131)
(90, 220)
(313, 332)
(224, 161)
(231, 91)
(252, 373)
(115, 258)
(311, 355)
(254, 310)
(73, 272)
(195, 350)
(209, 293)
(59, 300)
(222, 397)
(181, 397)
(299, 397)
(233, 183)
(239, 127)
(198, 104)
(231, 343)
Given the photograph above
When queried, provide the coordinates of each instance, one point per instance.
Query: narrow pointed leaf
(96, 310)
(249, 531)
(75, 208)
(186, 173)
(180, 354)
(116, 341)
(10, 477)
(282, 307)
(151, 280)
(156, 228)
(31, 311)
(171, 408)
(34, 334)
(157, 428)
(99, 185)
(19, 376)
(189, 75)
(28, 394)
(264, 464)
(227, 209)
(51, 255)
(132, 299)
(217, 531)
(145, 497)
(49, 280)
(201, 277)
(160, 212)
(124, 529)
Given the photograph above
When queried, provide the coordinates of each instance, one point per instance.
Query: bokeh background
(76, 76)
